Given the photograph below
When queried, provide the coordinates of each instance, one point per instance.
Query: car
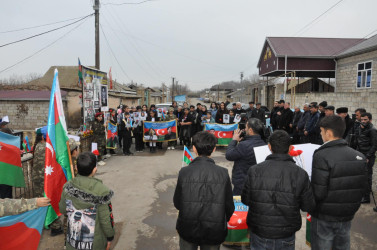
(243, 105)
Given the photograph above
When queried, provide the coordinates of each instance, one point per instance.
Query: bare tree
(20, 79)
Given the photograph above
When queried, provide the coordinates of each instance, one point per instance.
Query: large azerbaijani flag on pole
(57, 168)
(223, 132)
(22, 231)
(237, 227)
(11, 172)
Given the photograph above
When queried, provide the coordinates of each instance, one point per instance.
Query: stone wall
(346, 73)
(353, 101)
(26, 115)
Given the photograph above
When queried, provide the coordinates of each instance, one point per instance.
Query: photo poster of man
(226, 118)
(104, 98)
(92, 87)
(160, 131)
(142, 115)
(81, 226)
(237, 118)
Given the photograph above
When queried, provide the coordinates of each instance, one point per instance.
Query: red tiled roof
(27, 94)
(311, 47)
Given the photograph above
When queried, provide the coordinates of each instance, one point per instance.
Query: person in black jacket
(203, 196)
(343, 112)
(338, 182)
(259, 113)
(309, 132)
(274, 111)
(241, 151)
(293, 125)
(275, 191)
(220, 112)
(286, 118)
(302, 123)
(367, 144)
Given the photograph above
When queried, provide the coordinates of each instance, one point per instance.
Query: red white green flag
(237, 227)
(57, 166)
(223, 132)
(26, 145)
(11, 172)
(308, 229)
(187, 156)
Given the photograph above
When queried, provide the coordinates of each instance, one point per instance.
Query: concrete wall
(353, 101)
(346, 73)
(26, 115)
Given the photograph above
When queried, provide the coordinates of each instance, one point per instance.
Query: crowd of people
(275, 190)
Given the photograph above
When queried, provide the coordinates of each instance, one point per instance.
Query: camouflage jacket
(98, 130)
(16, 206)
(170, 117)
(38, 172)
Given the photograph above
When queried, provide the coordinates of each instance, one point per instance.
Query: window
(364, 75)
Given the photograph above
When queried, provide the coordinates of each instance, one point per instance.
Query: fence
(27, 191)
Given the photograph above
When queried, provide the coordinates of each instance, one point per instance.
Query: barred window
(364, 75)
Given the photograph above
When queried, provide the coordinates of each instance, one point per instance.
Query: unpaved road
(144, 213)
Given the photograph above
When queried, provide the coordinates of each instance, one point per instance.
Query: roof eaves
(356, 52)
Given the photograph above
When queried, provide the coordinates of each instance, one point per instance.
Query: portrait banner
(223, 132)
(160, 131)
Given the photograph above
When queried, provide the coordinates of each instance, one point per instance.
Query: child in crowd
(185, 122)
(86, 203)
(138, 130)
(231, 116)
(152, 118)
(99, 135)
(208, 118)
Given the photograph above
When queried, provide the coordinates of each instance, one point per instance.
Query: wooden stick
(70, 160)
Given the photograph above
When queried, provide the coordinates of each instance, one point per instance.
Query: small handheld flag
(187, 156)
(26, 145)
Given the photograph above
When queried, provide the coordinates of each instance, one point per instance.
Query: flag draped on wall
(57, 165)
(11, 172)
(22, 231)
(223, 132)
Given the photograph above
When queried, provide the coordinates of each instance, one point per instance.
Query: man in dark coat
(239, 110)
(322, 106)
(343, 112)
(250, 110)
(259, 113)
(309, 132)
(274, 111)
(339, 183)
(367, 144)
(203, 196)
(275, 191)
(286, 118)
(302, 123)
(241, 151)
(293, 125)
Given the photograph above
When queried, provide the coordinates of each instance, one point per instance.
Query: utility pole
(96, 14)
(218, 97)
(243, 92)
(172, 90)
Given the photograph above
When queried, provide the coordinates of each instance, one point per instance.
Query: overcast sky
(199, 42)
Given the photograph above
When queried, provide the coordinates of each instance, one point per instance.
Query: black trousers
(370, 174)
(127, 141)
(5, 191)
(139, 144)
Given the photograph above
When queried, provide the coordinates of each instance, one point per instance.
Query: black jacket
(303, 120)
(260, 114)
(296, 118)
(367, 140)
(275, 191)
(219, 115)
(286, 119)
(243, 156)
(338, 180)
(204, 198)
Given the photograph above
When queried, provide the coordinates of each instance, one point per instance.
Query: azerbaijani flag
(80, 74)
(11, 172)
(162, 131)
(223, 132)
(22, 231)
(187, 156)
(57, 168)
(237, 227)
(26, 145)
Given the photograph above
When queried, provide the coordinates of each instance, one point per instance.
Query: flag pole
(70, 160)
(183, 155)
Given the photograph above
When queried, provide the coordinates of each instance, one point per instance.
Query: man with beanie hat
(329, 110)
(343, 112)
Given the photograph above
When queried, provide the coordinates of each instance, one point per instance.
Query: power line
(37, 52)
(112, 52)
(27, 38)
(38, 26)
(129, 3)
(315, 19)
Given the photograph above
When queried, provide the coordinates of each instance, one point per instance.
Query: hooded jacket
(339, 181)
(204, 198)
(275, 191)
(88, 196)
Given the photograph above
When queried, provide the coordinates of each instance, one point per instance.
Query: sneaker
(172, 147)
(101, 163)
(168, 148)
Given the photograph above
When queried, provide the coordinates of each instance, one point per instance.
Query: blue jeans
(259, 243)
(185, 245)
(330, 235)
